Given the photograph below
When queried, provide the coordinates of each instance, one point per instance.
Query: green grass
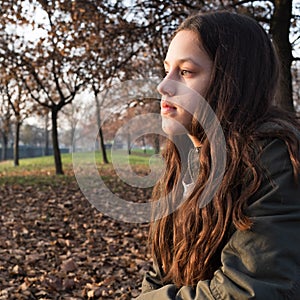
(41, 170)
(35, 171)
(38, 164)
(137, 158)
(36, 180)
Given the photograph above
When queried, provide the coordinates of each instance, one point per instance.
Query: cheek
(201, 86)
(186, 118)
(190, 104)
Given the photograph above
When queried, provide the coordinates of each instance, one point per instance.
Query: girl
(243, 242)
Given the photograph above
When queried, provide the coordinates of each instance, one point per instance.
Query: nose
(167, 87)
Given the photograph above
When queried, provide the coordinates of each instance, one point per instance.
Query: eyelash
(185, 72)
(181, 72)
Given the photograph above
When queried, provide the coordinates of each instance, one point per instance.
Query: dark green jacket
(261, 263)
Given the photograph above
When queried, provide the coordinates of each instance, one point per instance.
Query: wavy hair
(187, 242)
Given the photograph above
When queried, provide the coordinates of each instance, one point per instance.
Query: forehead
(185, 44)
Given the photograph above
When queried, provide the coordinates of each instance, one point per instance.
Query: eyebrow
(183, 60)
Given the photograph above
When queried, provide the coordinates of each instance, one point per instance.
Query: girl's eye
(181, 72)
(185, 72)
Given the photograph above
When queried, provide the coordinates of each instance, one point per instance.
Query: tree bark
(102, 146)
(46, 149)
(56, 150)
(280, 30)
(144, 144)
(100, 132)
(16, 143)
(156, 144)
(4, 146)
(128, 143)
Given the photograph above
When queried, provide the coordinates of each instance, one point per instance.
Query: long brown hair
(187, 242)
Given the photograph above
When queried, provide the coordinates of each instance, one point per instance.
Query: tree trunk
(102, 146)
(280, 30)
(73, 139)
(100, 132)
(56, 150)
(156, 144)
(46, 149)
(16, 143)
(128, 143)
(144, 144)
(4, 146)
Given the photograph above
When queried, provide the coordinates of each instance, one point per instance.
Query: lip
(167, 107)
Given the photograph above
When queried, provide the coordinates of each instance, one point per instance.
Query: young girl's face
(188, 69)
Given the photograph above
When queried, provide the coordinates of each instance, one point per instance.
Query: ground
(55, 245)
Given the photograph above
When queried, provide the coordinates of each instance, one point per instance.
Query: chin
(173, 127)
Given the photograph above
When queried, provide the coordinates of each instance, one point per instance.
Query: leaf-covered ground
(55, 245)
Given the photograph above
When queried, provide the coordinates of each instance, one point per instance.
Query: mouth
(167, 107)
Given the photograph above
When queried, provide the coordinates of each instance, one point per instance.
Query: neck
(195, 141)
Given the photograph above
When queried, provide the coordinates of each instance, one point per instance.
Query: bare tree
(110, 52)
(17, 102)
(50, 70)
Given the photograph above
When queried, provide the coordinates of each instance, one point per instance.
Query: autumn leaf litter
(55, 245)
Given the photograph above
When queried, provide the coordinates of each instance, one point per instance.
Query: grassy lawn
(35, 171)
(41, 170)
